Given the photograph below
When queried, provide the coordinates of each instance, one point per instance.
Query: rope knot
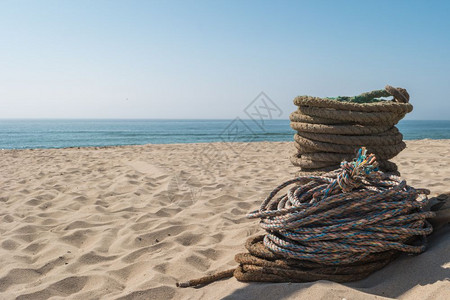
(353, 173)
(346, 181)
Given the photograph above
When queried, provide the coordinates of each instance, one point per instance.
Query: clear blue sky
(209, 59)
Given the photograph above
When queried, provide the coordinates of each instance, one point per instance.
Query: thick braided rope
(382, 106)
(325, 149)
(305, 162)
(338, 128)
(342, 125)
(368, 102)
(365, 118)
(310, 145)
(340, 227)
(389, 137)
(260, 264)
(297, 116)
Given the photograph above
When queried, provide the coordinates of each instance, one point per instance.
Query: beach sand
(129, 222)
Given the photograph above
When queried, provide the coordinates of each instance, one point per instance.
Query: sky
(210, 59)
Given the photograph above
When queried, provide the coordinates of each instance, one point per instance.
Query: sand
(128, 222)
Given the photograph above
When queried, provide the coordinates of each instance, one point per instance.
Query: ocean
(24, 134)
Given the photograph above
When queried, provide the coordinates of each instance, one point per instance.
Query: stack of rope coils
(341, 227)
(330, 130)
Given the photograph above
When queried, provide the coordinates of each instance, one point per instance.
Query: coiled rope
(341, 227)
(327, 126)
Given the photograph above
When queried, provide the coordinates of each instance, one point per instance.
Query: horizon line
(175, 119)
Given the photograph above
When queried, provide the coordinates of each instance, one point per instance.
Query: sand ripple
(128, 222)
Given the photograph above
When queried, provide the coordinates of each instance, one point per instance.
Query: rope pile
(341, 227)
(330, 130)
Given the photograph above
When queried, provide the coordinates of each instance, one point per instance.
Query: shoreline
(177, 144)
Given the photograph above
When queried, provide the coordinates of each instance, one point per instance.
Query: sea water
(22, 134)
